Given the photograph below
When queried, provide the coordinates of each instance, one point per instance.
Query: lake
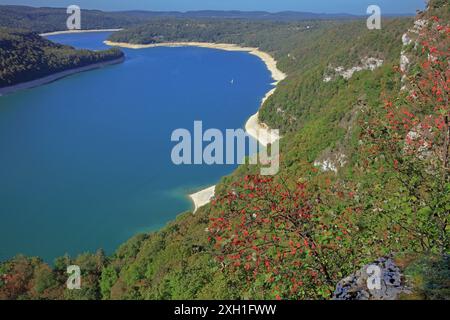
(85, 162)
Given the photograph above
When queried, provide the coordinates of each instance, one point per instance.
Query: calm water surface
(85, 161)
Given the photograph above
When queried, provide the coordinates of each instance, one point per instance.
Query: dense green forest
(212, 30)
(54, 19)
(390, 195)
(25, 56)
(43, 20)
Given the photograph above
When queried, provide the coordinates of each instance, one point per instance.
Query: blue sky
(320, 6)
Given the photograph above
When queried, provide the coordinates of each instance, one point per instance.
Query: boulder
(356, 286)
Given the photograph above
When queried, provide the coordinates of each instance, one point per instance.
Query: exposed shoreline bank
(54, 33)
(202, 197)
(57, 76)
(270, 62)
(253, 126)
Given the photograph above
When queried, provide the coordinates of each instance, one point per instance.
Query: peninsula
(42, 61)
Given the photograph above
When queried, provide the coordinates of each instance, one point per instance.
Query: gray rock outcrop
(357, 286)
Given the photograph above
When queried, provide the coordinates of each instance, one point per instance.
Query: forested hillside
(25, 56)
(43, 20)
(364, 174)
(54, 19)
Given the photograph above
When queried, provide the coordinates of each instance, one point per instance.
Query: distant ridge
(46, 19)
(249, 15)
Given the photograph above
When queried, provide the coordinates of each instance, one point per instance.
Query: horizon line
(217, 10)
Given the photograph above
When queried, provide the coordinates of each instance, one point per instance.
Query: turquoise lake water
(85, 161)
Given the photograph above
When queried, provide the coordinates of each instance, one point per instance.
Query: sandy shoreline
(270, 62)
(254, 127)
(258, 130)
(202, 197)
(57, 76)
(77, 31)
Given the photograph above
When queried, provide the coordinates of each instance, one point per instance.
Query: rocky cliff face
(357, 286)
(368, 63)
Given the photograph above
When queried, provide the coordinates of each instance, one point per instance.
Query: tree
(280, 238)
(108, 279)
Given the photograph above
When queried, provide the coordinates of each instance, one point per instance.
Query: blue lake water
(85, 162)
